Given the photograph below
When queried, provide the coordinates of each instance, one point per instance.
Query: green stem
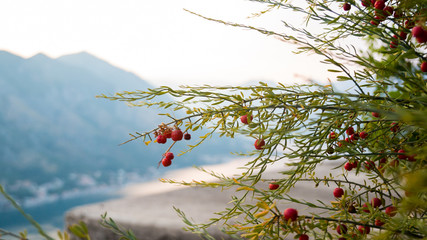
(7, 233)
(27, 216)
(339, 181)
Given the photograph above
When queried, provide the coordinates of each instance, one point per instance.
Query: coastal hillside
(57, 138)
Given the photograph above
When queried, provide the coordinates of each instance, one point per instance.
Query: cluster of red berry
(363, 228)
(407, 24)
(163, 133)
(390, 211)
(369, 165)
(291, 214)
(352, 137)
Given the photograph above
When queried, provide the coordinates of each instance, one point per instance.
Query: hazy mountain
(51, 120)
(53, 127)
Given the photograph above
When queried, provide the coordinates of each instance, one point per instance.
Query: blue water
(51, 214)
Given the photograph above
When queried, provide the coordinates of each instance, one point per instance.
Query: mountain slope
(52, 121)
(53, 127)
(122, 79)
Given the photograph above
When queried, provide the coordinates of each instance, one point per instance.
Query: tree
(376, 129)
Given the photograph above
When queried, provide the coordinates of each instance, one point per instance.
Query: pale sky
(158, 40)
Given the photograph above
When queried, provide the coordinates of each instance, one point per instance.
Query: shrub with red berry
(372, 135)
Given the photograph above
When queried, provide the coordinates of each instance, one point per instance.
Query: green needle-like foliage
(308, 125)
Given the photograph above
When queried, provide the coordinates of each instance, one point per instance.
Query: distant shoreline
(183, 174)
(50, 213)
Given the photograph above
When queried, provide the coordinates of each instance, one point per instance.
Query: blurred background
(59, 144)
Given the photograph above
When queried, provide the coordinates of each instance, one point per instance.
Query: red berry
(393, 44)
(366, 3)
(411, 158)
(161, 139)
(342, 229)
(388, 10)
(244, 119)
(338, 192)
(379, 4)
(348, 140)
(354, 164)
(354, 137)
(177, 135)
(273, 186)
(409, 24)
(187, 136)
(166, 162)
(346, 6)
(403, 35)
(290, 213)
(374, 22)
(379, 223)
(402, 154)
(363, 134)
(303, 237)
(395, 36)
(365, 208)
(364, 229)
(332, 135)
(394, 163)
(376, 202)
(348, 166)
(351, 209)
(379, 15)
(418, 31)
(375, 114)
(423, 66)
(394, 127)
(169, 155)
(350, 131)
(339, 144)
(369, 165)
(259, 144)
(391, 211)
(422, 39)
(168, 134)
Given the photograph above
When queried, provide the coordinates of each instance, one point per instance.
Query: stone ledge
(152, 217)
